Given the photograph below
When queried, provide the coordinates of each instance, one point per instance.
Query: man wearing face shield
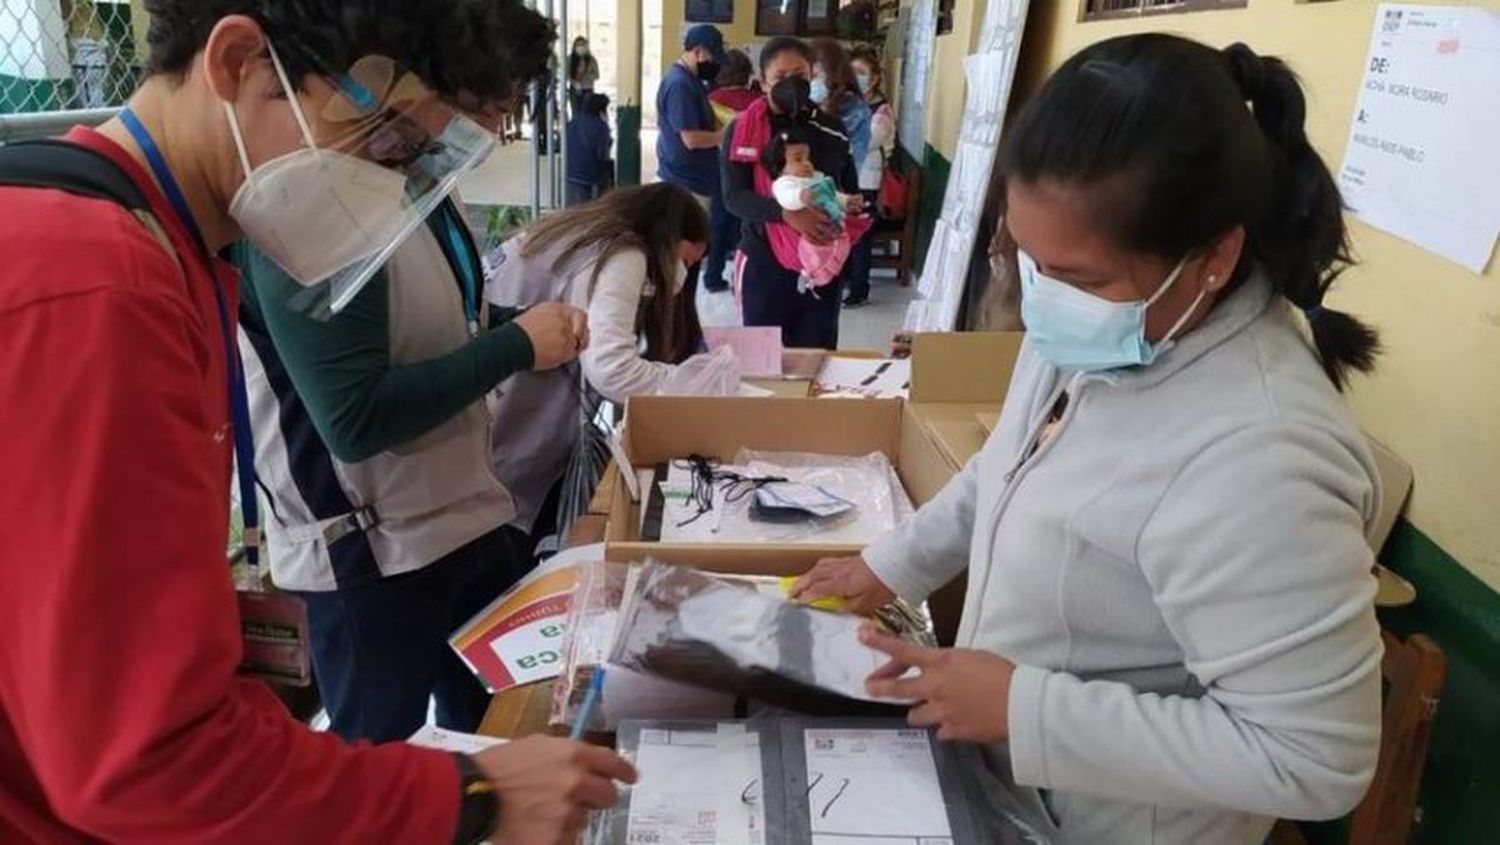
(372, 437)
(123, 392)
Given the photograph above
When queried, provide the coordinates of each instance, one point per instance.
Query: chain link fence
(64, 55)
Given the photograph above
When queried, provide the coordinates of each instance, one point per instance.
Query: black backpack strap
(69, 167)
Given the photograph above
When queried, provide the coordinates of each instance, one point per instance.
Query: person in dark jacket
(589, 144)
(768, 269)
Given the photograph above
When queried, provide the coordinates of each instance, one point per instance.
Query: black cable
(706, 477)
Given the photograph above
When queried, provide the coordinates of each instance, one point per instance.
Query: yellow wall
(945, 98)
(1436, 396)
(628, 48)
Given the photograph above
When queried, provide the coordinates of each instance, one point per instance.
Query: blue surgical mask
(1076, 330)
(863, 81)
(819, 90)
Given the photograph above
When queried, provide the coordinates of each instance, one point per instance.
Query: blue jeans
(380, 650)
(724, 238)
(578, 193)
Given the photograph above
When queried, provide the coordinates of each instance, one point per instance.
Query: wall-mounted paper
(1421, 160)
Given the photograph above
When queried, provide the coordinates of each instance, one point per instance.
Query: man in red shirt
(121, 717)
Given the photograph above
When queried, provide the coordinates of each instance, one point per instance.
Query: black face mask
(792, 96)
(708, 71)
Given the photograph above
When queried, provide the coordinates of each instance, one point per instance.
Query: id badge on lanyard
(273, 625)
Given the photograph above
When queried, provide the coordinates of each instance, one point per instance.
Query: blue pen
(590, 701)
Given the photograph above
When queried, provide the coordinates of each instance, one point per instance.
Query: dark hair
(870, 56)
(597, 104)
(478, 48)
(736, 69)
(773, 157)
(838, 71)
(650, 219)
(784, 44)
(1158, 124)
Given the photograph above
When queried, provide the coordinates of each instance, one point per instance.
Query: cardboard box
(956, 378)
(958, 383)
(659, 429)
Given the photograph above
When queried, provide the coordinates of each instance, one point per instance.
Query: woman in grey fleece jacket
(1168, 628)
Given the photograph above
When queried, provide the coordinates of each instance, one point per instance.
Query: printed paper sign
(518, 639)
(1421, 161)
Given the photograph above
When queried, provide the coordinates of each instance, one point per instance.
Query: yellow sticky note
(833, 603)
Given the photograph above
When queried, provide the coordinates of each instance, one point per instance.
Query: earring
(1212, 280)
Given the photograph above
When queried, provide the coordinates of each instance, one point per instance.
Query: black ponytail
(1303, 243)
(1159, 123)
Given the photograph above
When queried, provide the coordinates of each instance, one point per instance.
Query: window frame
(1140, 10)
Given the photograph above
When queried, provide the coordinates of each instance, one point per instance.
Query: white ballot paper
(875, 787)
(442, 739)
(1420, 161)
(698, 788)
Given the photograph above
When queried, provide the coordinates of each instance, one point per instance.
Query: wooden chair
(1413, 672)
(895, 241)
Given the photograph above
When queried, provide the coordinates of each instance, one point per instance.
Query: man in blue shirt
(687, 145)
(589, 165)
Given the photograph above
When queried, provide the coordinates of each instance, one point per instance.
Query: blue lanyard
(239, 401)
(467, 274)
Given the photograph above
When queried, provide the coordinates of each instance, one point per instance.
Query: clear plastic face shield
(379, 155)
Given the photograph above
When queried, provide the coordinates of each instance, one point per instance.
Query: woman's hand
(854, 204)
(558, 333)
(810, 223)
(962, 692)
(846, 578)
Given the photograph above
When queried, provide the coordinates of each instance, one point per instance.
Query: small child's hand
(807, 197)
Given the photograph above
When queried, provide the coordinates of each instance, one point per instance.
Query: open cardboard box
(659, 429)
(955, 379)
(958, 383)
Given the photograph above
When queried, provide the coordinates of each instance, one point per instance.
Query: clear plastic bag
(715, 373)
(741, 511)
(779, 779)
(593, 618)
(688, 626)
(701, 783)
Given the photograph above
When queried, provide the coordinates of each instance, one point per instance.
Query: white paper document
(698, 788)
(874, 787)
(869, 378)
(1420, 161)
(442, 739)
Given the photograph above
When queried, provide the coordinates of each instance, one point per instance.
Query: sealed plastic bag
(782, 497)
(715, 373)
(779, 779)
(627, 694)
(701, 783)
(684, 625)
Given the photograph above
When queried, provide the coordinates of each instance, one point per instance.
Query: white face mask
(679, 276)
(315, 211)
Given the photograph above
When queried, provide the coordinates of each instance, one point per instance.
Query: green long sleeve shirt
(359, 400)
